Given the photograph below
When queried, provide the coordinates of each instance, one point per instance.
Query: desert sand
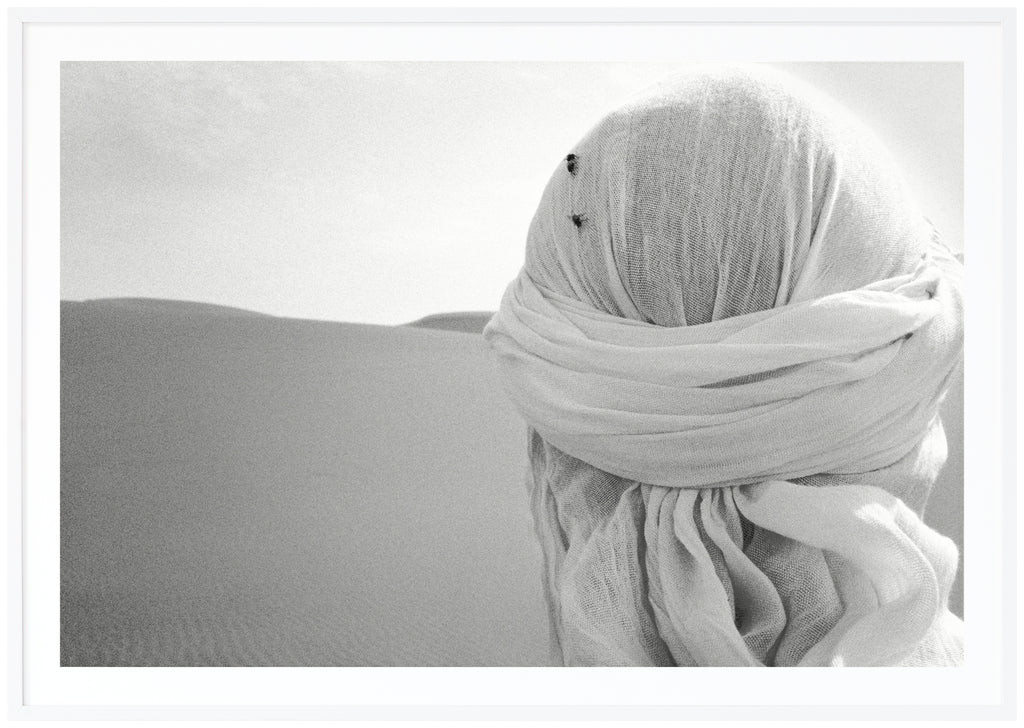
(254, 490)
(242, 489)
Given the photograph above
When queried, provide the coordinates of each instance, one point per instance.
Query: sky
(378, 192)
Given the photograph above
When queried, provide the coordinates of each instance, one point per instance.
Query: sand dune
(471, 322)
(169, 306)
(253, 490)
(242, 489)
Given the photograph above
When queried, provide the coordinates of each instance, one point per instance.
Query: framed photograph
(302, 378)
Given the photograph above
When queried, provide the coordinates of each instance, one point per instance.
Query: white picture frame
(983, 40)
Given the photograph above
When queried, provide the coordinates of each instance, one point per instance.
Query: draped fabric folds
(730, 339)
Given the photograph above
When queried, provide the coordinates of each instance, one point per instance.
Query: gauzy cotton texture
(730, 339)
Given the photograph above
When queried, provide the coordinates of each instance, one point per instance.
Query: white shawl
(731, 338)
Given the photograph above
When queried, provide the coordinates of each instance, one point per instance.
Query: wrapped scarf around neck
(730, 339)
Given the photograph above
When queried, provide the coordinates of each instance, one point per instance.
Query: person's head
(726, 281)
(721, 191)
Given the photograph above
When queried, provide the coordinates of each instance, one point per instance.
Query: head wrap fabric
(730, 300)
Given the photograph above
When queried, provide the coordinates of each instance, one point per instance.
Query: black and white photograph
(386, 363)
(424, 364)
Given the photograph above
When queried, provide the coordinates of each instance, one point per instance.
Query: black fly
(570, 164)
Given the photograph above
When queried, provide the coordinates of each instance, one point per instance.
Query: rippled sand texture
(250, 490)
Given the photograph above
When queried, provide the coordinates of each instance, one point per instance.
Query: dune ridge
(471, 322)
(140, 304)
